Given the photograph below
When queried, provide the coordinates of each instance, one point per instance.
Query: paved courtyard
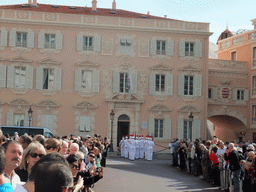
(122, 175)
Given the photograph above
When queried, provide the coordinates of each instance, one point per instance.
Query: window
(254, 114)
(159, 124)
(188, 85)
(189, 49)
(19, 119)
(86, 81)
(160, 83)
(49, 42)
(124, 85)
(21, 39)
(20, 77)
(240, 95)
(48, 81)
(125, 46)
(88, 44)
(187, 130)
(254, 57)
(160, 47)
(210, 93)
(254, 85)
(233, 56)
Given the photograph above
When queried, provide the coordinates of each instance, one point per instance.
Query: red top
(214, 158)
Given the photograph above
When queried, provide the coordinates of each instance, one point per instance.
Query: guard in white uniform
(137, 154)
(126, 147)
(132, 148)
(146, 144)
(141, 146)
(150, 149)
(122, 146)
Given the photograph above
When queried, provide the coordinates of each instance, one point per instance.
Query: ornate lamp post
(30, 116)
(112, 116)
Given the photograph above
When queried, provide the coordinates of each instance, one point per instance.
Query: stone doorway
(123, 127)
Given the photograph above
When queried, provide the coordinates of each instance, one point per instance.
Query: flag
(129, 83)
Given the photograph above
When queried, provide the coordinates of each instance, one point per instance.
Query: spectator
(52, 145)
(74, 147)
(39, 138)
(85, 149)
(215, 166)
(220, 154)
(5, 185)
(248, 171)
(25, 140)
(16, 136)
(13, 153)
(64, 148)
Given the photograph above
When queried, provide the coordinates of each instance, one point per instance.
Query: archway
(226, 128)
(123, 127)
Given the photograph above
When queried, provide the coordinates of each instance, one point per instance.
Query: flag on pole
(129, 83)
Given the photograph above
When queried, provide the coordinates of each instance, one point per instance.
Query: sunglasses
(74, 166)
(92, 156)
(34, 155)
(48, 147)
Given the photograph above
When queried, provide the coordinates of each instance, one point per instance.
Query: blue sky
(237, 13)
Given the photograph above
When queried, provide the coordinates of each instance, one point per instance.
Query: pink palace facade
(72, 66)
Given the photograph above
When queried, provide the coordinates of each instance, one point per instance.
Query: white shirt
(14, 180)
(221, 152)
(19, 188)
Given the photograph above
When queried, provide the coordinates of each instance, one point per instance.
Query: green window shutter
(40, 40)
(134, 82)
(152, 84)
(180, 128)
(10, 76)
(170, 48)
(181, 85)
(116, 81)
(39, 78)
(234, 96)
(246, 95)
(198, 50)
(3, 38)
(59, 39)
(2, 76)
(29, 77)
(96, 43)
(214, 93)
(88, 124)
(12, 39)
(196, 129)
(26, 120)
(151, 126)
(167, 129)
(153, 47)
(198, 85)
(85, 123)
(9, 121)
(78, 80)
(58, 79)
(30, 39)
(79, 43)
(96, 81)
(169, 84)
(182, 48)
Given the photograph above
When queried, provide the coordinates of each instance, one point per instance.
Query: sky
(237, 14)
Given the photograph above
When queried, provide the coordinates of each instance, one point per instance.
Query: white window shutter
(3, 38)
(167, 129)
(79, 42)
(198, 85)
(12, 39)
(180, 128)
(88, 124)
(39, 78)
(2, 76)
(10, 76)
(196, 129)
(9, 121)
(82, 124)
(58, 79)
(41, 40)
(152, 84)
(199, 46)
(151, 126)
(29, 77)
(182, 48)
(153, 47)
(234, 96)
(116, 81)
(59, 40)
(96, 43)
(214, 93)
(30, 39)
(26, 120)
(96, 81)
(246, 95)
(134, 82)
(78, 80)
(181, 85)
(169, 84)
(170, 47)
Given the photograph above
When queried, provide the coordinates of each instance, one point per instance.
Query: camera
(98, 169)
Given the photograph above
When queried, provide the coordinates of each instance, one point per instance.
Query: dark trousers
(216, 176)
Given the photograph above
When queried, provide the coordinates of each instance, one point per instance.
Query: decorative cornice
(20, 59)
(20, 101)
(189, 108)
(88, 63)
(161, 67)
(49, 61)
(190, 68)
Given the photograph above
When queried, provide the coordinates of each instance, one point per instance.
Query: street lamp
(112, 116)
(190, 117)
(30, 116)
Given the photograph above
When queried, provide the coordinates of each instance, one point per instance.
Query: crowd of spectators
(38, 164)
(229, 166)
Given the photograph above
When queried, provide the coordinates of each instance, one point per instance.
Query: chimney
(114, 5)
(148, 13)
(34, 3)
(94, 6)
(29, 2)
